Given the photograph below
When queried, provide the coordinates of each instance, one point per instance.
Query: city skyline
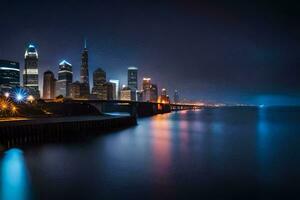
(237, 66)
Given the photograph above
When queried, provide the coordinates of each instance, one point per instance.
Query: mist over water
(211, 153)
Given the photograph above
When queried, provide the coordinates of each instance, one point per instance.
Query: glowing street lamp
(4, 106)
(13, 109)
(19, 97)
(6, 94)
(30, 98)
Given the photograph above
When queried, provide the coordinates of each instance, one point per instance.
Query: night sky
(229, 51)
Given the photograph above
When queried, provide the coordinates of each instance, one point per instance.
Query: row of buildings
(64, 85)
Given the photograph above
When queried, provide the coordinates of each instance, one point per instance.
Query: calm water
(222, 153)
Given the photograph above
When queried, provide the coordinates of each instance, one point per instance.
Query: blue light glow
(31, 46)
(14, 176)
(64, 62)
(262, 106)
(19, 95)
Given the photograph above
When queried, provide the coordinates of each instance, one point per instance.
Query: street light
(30, 98)
(6, 94)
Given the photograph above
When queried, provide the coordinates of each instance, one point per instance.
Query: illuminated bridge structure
(135, 108)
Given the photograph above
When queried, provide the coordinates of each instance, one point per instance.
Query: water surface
(221, 153)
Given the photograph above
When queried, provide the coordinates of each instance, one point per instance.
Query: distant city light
(6, 94)
(30, 98)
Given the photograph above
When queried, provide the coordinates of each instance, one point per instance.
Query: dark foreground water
(223, 153)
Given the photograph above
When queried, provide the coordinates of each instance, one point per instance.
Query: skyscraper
(74, 90)
(84, 69)
(116, 89)
(31, 73)
(146, 88)
(99, 77)
(49, 85)
(153, 93)
(164, 98)
(133, 78)
(102, 89)
(9, 75)
(127, 94)
(65, 77)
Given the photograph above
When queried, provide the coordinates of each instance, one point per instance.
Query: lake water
(217, 153)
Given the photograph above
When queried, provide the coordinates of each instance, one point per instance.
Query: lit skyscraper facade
(84, 69)
(116, 89)
(49, 85)
(146, 88)
(133, 78)
(65, 78)
(9, 75)
(31, 73)
(127, 94)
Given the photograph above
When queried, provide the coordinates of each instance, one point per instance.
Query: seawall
(34, 131)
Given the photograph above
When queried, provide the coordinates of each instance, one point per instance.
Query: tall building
(176, 97)
(84, 70)
(153, 93)
(31, 73)
(146, 88)
(49, 85)
(116, 89)
(65, 77)
(127, 94)
(164, 98)
(133, 78)
(99, 77)
(102, 89)
(74, 89)
(77, 90)
(9, 75)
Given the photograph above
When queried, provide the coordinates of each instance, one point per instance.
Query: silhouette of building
(49, 85)
(102, 89)
(75, 89)
(176, 97)
(31, 73)
(65, 78)
(99, 77)
(9, 75)
(139, 95)
(84, 72)
(153, 93)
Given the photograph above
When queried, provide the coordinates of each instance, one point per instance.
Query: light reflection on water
(227, 151)
(14, 176)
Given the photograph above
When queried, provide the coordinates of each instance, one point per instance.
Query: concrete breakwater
(35, 131)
